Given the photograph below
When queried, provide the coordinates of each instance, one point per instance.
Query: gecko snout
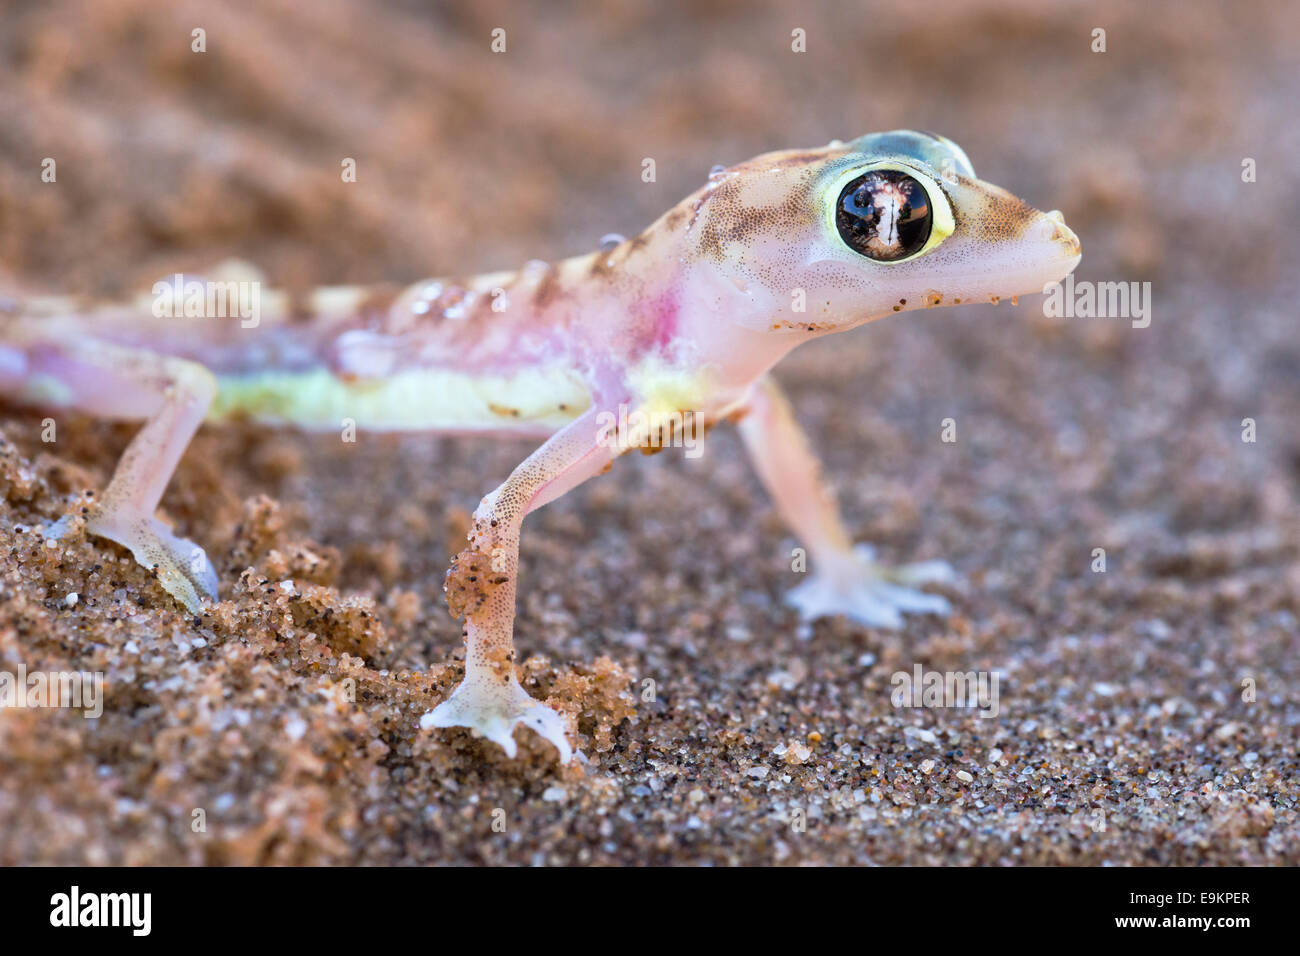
(1047, 250)
(1059, 232)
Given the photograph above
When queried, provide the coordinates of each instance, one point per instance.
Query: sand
(1147, 713)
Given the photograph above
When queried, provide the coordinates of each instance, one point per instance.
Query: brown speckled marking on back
(548, 288)
(732, 220)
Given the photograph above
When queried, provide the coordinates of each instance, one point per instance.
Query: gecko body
(680, 323)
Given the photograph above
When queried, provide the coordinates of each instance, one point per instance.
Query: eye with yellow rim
(891, 213)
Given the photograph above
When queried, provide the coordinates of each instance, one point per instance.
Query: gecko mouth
(1046, 252)
(979, 288)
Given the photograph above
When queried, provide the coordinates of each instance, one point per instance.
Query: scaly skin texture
(674, 329)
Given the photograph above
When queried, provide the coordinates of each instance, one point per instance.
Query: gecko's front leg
(481, 586)
(844, 579)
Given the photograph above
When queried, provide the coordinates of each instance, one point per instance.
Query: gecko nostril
(1062, 233)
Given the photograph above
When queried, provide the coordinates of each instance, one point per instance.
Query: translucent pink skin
(696, 308)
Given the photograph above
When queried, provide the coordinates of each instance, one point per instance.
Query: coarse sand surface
(1147, 713)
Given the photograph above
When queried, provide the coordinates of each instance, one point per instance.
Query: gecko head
(886, 223)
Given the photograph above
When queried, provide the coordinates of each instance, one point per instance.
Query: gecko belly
(441, 399)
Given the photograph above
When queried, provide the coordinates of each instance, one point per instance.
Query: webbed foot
(182, 567)
(872, 594)
(494, 709)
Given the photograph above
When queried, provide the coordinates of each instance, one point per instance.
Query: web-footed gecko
(675, 327)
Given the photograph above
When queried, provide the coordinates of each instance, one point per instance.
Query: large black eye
(884, 215)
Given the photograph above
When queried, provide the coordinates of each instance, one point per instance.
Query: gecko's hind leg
(843, 579)
(181, 566)
(481, 585)
(172, 395)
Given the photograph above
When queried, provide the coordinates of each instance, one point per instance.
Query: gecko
(676, 328)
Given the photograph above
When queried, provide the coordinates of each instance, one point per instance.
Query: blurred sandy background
(1123, 693)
